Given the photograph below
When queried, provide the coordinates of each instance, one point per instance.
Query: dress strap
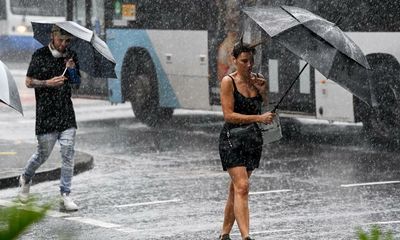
(233, 81)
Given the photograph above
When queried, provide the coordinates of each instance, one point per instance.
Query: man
(55, 116)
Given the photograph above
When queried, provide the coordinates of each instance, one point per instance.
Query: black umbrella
(94, 56)
(319, 42)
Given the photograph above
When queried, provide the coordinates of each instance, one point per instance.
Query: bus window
(38, 8)
(2, 9)
(150, 14)
(273, 75)
(98, 17)
(123, 11)
(96, 12)
(304, 78)
(79, 12)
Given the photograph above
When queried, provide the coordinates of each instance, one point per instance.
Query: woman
(242, 95)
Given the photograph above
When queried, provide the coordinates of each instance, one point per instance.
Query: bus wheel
(381, 123)
(141, 88)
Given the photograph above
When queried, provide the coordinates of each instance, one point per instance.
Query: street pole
(88, 12)
(69, 9)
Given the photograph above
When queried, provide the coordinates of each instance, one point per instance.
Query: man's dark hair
(240, 47)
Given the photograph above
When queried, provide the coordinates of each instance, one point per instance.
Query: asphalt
(14, 156)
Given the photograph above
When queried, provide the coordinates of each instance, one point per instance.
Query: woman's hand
(259, 83)
(267, 117)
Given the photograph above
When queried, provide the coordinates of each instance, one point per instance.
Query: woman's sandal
(224, 237)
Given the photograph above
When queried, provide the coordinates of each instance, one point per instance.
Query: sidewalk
(14, 156)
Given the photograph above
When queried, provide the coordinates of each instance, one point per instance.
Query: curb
(83, 162)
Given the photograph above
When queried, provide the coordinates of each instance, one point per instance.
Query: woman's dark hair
(240, 47)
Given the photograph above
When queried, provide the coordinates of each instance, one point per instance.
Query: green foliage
(375, 234)
(17, 218)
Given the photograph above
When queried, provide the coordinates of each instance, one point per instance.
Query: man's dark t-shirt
(54, 109)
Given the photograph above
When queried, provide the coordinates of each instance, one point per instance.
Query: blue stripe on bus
(119, 40)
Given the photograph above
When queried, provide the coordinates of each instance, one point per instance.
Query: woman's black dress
(248, 154)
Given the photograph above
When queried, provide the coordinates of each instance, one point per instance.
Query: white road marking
(146, 203)
(8, 153)
(272, 191)
(368, 184)
(93, 222)
(382, 223)
(128, 230)
(67, 216)
(56, 214)
(264, 232)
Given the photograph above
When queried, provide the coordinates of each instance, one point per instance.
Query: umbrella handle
(65, 70)
(287, 90)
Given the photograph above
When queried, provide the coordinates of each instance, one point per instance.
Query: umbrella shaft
(287, 90)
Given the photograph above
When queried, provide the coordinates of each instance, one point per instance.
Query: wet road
(167, 183)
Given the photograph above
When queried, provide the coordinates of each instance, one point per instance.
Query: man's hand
(70, 63)
(56, 81)
(53, 82)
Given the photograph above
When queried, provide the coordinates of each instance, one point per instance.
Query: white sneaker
(67, 204)
(23, 191)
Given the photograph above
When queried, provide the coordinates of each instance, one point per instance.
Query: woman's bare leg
(229, 215)
(240, 180)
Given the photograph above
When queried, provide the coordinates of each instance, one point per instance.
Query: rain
(149, 117)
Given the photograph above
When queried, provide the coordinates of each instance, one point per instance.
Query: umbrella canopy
(319, 42)
(94, 56)
(8, 89)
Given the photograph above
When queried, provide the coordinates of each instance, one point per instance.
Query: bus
(172, 54)
(16, 36)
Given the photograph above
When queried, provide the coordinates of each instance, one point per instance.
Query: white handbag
(272, 132)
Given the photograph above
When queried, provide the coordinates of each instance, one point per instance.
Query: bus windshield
(38, 8)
